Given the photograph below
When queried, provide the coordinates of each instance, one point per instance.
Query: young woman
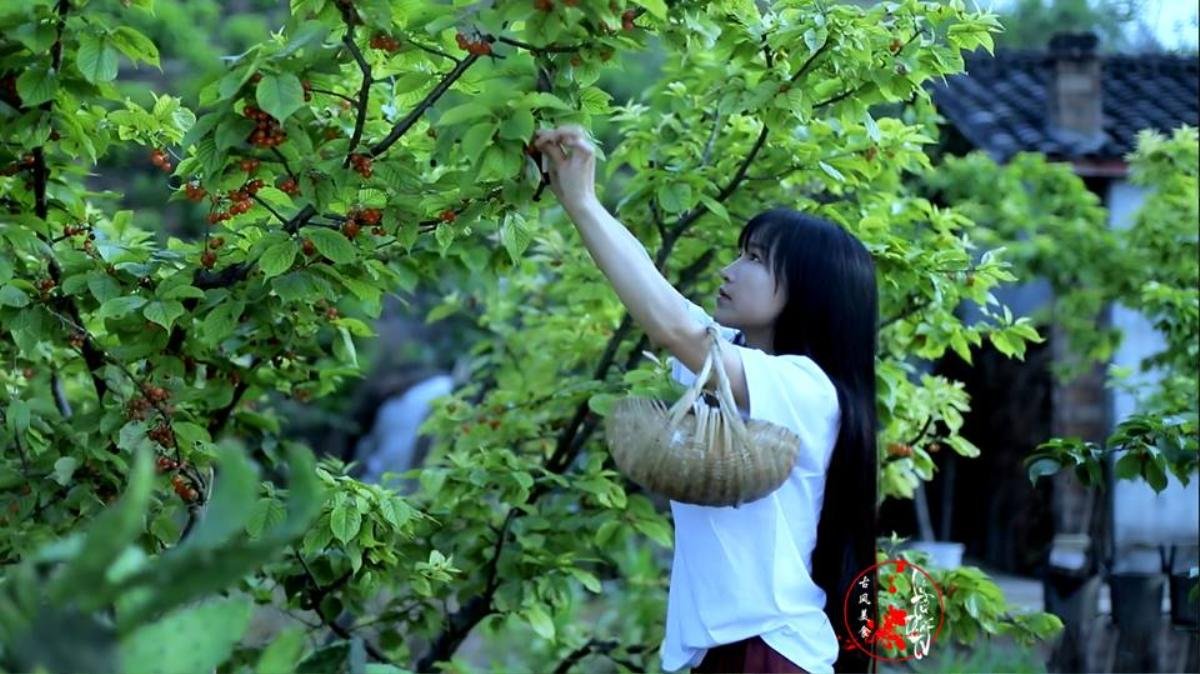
(760, 587)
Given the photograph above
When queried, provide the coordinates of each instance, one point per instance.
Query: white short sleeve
(788, 390)
(794, 392)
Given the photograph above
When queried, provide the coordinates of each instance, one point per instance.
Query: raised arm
(654, 303)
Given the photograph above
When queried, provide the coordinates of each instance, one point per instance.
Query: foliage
(371, 146)
(1058, 231)
(55, 604)
(973, 605)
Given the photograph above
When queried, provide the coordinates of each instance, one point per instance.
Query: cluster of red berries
(289, 186)
(362, 164)
(267, 132)
(240, 202)
(46, 285)
(308, 247)
(184, 490)
(165, 464)
(216, 242)
(481, 47)
(447, 215)
(72, 230)
(385, 42)
(162, 434)
(159, 159)
(77, 339)
(249, 165)
(367, 216)
(27, 162)
(900, 450)
(208, 259)
(137, 408)
(156, 394)
(194, 191)
(544, 5)
(627, 18)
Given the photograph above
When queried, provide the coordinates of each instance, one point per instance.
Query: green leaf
(37, 85)
(1043, 467)
(345, 521)
(135, 45)
(120, 306)
(108, 534)
(332, 244)
(477, 139)
(716, 207)
(606, 531)
(1129, 466)
(163, 313)
(518, 126)
(833, 173)
(96, 58)
(64, 468)
(658, 531)
(16, 417)
(344, 347)
(602, 403)
(12, 296)
(278, 258)
(194, 639)
(221, 322)
(280, 95)
(595, 101)
(540, 621)
(283, 654)
(267, 513)
(464, 113)
(674, 197)
(656, 7)
(309, 32)
(515, 235)
(589, 580)
(231, 504)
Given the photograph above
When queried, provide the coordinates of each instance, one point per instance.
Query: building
(1075, 105)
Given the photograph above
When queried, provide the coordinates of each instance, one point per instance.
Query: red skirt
(747, 655)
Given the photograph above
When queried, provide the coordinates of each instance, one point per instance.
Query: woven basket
(695, 453)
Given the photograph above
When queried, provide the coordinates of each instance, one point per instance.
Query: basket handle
(685, 402)
(724, 391)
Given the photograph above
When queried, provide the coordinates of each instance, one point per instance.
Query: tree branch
(268, 207)
(327, 92)
(320, 593)
(364, 90)
(691, 216)
(411, 118)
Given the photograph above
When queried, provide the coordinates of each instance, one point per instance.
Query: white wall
(1142, 517)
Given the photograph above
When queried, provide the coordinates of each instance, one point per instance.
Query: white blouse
(743, 571)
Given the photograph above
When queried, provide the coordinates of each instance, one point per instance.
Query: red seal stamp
(908, 616)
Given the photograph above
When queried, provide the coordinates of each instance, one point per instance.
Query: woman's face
(750, 301)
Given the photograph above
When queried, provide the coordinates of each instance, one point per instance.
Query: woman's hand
(572, 163)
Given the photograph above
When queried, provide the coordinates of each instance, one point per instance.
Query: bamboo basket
(695, 453)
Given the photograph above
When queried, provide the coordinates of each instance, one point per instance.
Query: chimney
(1074, 93)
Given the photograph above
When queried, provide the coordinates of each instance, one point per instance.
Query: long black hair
(831, 315)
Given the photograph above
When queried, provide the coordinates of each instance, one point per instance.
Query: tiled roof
(1000, 104)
